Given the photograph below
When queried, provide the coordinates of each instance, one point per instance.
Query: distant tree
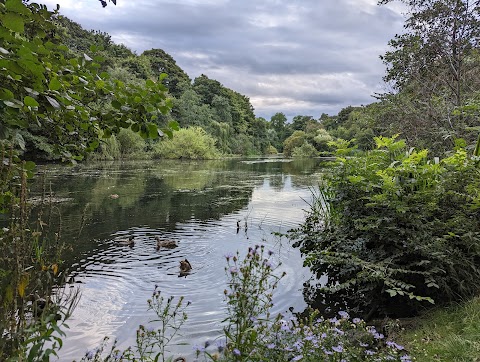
(161, 62)
(300, 122)
(435, 66)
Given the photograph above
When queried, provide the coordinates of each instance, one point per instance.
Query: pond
(199, 205)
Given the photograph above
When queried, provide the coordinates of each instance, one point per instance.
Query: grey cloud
(319, 55)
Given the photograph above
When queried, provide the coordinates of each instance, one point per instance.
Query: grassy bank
(451, 334)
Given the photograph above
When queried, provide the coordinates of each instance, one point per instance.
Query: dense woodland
(396, 217)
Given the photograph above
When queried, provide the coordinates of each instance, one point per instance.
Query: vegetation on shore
(392, 224)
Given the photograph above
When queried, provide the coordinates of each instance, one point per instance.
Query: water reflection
(197, 204)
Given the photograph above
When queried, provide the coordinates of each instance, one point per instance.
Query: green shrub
(188, 143)
(304, 151)
(271, 150)
(130, 142)
(295, 140)
(392, 230)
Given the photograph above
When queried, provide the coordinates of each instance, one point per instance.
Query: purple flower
(233, 270)
(338, 348)
(271, 345)
(90, 354)
(270, 253)
(356, 320)
(378, 336)
(228, 255)
(297, 358)
(406, 358)
(236, 352)
(334, 320)
(343, 314)
(369, 352)
(395, 345)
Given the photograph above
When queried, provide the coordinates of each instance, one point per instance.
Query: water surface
(198, 204)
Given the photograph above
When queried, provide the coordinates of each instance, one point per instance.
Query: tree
(436, 61)
(161, 62)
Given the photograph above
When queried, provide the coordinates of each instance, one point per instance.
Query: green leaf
(54, 84)
(29, 166)
(152, 130)
(174, 125)
(17, 7)
(13, 22)
(5, 94)
(116, 104)
(30, 102)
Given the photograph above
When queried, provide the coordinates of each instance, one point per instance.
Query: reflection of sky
(117, 281)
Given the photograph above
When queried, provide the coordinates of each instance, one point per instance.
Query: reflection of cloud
(303, 57)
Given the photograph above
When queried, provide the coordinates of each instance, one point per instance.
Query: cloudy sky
(299, 57)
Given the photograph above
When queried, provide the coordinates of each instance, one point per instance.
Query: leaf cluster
(392, 229)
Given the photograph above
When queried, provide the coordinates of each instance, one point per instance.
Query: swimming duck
(168, 244)
(130, 242)
(185, 266)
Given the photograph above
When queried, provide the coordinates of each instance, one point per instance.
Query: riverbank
(445, 334)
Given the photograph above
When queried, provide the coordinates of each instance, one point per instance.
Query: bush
(271, 150)
(295, 140)
(130, 142)
(305, 150)
(392, 230)
(188, 143)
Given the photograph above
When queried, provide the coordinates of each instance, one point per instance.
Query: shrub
(295, 140)
(271, 150)
(392, 230)
(188, 143)
(130, 142)
(305, 150)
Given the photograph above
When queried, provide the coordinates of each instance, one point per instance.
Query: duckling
(169, 244)
(185, 266)
(130, 242)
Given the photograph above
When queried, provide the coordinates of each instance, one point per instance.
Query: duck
(185, 266)
(168, 244)
(130, 242)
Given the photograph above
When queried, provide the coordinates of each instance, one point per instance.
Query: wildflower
(198, 348)
(90, 353)
(233, 270)
(356, 320)
(271, 345)
(228, 256)
(327, 352)
(207, 343)
(343, 314)
(220, 345)
(338, 348)
(338, 331)
(270, 253)
(378, 336)
(334, 320)
(297, 358)
(395, 345)
(369, 352)
(406, 358)
(236, 352)
(363, 344)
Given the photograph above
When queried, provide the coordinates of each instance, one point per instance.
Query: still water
(197, 204)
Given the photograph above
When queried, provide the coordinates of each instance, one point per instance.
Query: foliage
(295, 140)
(305, 150)
(434, 67)
(392, 229)
(249, 299)
(130, 142)
(252, 334)
(451, 334)
(190, 143)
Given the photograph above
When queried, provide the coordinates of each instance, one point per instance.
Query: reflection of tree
(156, 196)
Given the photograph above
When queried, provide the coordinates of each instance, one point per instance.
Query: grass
(451, 334)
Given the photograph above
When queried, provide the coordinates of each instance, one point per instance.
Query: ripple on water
(117, 280)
